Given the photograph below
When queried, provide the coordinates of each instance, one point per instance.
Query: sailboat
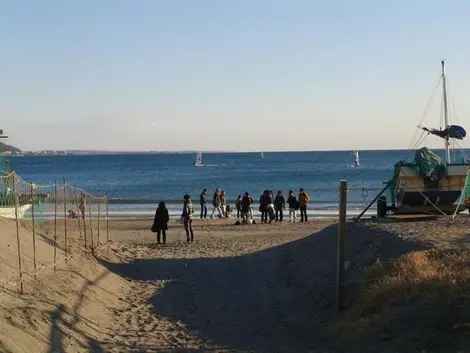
(428, 184)
(198, 160)
(262, 155)
(356, 158)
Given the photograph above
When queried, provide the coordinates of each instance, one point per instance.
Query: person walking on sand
(280, 205)
(270, 209)
(303, 201)
(188, 211)
(216, 203)
(293, 206)
(160, 222)
(203, 202)
(238, 206)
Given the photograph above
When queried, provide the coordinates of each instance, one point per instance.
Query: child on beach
(188, 211)
(160, 222)
(293, 206)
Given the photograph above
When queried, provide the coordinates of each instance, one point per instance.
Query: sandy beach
(257, 288)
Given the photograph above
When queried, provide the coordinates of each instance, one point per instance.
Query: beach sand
(261, 288)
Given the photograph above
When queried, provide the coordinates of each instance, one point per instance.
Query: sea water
(135, 183)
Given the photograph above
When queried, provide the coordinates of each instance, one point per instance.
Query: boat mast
(446, 117)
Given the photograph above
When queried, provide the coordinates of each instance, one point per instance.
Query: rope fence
(45, 226)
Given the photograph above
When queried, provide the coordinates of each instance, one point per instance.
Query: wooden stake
(91, 229)
(341, 245)
(99, 216)
(34, 231)
(55, 225)
(83, 218)
(65, 221)
(16, 200)
(107, 223)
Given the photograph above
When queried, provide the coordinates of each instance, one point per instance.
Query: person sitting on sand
(228, 212)
(188, 211)
(160, 222)
(238, 205)
(293, 206)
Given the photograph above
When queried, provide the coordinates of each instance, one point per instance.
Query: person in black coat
(160, 222)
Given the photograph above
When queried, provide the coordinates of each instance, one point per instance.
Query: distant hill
(7, 148)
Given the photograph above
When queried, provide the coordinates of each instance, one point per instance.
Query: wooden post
(107, 223)
(83, 218)
(34, 230)
(99, 215)
(79, 213)
(16, 200)
(91, 229)
(341, 245)
(65, 221)
(55, 224)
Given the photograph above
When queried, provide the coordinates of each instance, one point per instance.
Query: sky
(245, 75)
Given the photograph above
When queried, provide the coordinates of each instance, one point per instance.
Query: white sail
(198, 159)
(356, 158)
(262, 154)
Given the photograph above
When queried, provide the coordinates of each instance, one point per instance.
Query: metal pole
(341, 279)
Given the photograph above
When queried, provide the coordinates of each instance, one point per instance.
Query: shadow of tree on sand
(278, 299)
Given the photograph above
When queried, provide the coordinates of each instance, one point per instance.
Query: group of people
(271, 208)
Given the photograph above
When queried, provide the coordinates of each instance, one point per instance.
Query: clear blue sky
(227, 75)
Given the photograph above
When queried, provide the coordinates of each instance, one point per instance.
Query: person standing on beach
(223, 203)
(216, 203)
(303, 201)
(280, 205)
(160, 222)
(293, 206)
(263, 206)
(238, 205)
(246, 207)
(188, 211)
(203, 202)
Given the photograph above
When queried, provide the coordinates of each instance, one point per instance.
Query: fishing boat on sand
(429, 185)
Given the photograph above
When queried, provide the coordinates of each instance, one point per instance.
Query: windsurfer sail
(198, 160)
(356, 158)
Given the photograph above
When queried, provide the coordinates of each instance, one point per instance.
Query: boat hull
(9, 211)
(413, 194)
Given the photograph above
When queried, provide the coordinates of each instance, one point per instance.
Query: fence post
(31, 190)
(341, 245)
(99, 215)
(16, 200)
(107, 222)
(55, 225)
(65, 221)
(83, 215)
(91, 229)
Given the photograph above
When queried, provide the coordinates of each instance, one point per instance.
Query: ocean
(135, 183)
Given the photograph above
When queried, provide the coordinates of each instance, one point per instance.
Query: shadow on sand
(279, 299)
